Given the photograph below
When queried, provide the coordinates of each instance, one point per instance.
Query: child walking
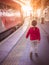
(34, 34)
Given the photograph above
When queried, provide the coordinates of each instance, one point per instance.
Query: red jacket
(34, 33)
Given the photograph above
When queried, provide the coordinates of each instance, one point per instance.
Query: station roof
(13, 4)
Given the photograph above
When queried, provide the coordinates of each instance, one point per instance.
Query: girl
(34, 34)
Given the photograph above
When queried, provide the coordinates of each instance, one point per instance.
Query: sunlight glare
(27, 10)
(38, 12)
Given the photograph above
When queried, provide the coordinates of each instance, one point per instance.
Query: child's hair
(34, 22)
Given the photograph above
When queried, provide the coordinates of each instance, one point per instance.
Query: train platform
(16, 52)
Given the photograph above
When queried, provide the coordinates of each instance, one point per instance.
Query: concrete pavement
(7, 44)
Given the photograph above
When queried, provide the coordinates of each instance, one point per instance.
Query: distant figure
(34, 34)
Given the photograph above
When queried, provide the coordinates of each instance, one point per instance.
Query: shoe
(36, 54)
(31, 55)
